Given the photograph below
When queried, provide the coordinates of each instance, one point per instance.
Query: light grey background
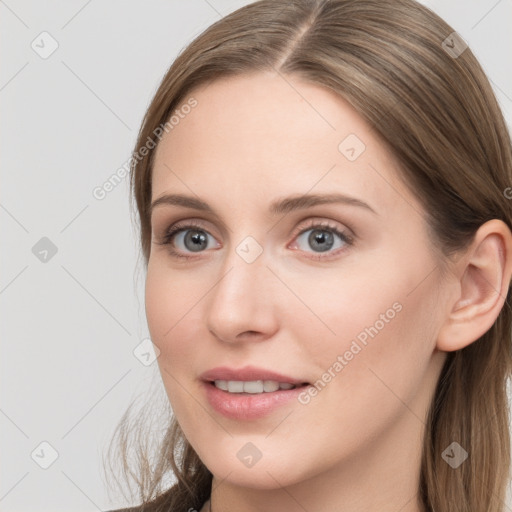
(70, 324)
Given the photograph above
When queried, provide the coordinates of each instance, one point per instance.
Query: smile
(253, 404)
(252, 386)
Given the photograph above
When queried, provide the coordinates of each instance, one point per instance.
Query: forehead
(265, 135)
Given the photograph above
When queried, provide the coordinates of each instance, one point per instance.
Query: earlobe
(485, 272)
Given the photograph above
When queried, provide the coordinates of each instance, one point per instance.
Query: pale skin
(356, 445)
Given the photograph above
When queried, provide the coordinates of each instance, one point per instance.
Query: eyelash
(347, 239)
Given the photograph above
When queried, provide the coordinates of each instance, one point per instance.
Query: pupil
(198, 240)
(321, 237)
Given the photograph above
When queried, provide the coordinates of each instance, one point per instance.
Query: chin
(268, 473)
(254, 478)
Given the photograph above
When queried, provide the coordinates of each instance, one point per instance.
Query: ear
(483, 276)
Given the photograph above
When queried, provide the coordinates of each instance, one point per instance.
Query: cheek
(171, 304)
(368, 332)
(173, 321)
(340, 307)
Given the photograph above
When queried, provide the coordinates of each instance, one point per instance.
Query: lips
(248, 373)
(238, 404)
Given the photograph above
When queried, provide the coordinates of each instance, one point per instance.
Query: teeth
(222, 384)
(252, 386)
(270, 385)
(235, 386)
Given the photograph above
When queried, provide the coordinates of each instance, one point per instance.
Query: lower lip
(248, 406)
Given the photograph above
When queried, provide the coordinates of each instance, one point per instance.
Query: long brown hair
(427, 98)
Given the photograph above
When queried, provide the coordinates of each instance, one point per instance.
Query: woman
(323, 193)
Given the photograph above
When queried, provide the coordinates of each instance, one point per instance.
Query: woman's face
(277, 289)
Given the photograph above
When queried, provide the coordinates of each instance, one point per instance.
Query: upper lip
(247, 373)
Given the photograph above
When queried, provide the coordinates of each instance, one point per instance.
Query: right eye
(192, 237)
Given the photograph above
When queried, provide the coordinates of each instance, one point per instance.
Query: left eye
(323, 239)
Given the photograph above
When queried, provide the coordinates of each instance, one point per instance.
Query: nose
(243, 305)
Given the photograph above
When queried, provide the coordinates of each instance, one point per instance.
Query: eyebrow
(280, 206)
